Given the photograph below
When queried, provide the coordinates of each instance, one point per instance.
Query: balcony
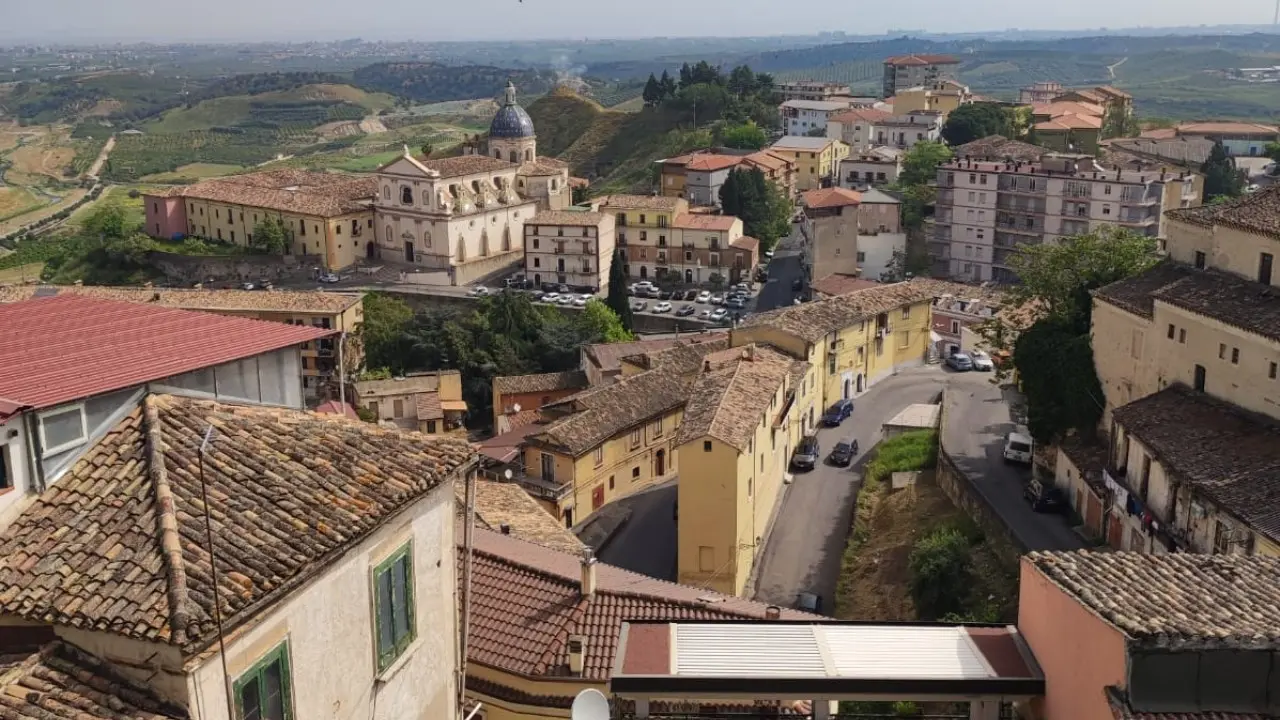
(540, 488)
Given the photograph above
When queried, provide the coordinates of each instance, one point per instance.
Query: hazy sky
(170, 20)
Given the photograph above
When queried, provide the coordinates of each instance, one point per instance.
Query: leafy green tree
(652, 92)
(746, 136)
(917, 204)
(602, 321)
(976, 120)
(667, 85)
(272, 236)
(386, 319)
(617, 298)
(427, 149)
(686, 76)
(1059, 276)
(763, 208)
(920, 164)
(941, 575)
(1221, 178)
(108, 221)
(1272, 150)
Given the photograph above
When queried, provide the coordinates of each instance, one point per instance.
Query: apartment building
(908, 71)
(325, 361)
(986, 210)
(809, 90)
(662, 239)
(698, 177)
(872, 166)
(1069, 126)
(1040, 92)
(941, 97)
(1237, 138)
(852, 232)
(1188, 363)
(427, 402)
(817, 159)
(802, 117)
(569, 248)
(904, 130)
(856, 127)
(329, 215)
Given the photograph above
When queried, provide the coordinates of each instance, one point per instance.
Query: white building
(856, 127)
(904, 131)
(570, 248)
(878, 165)
(801, 117)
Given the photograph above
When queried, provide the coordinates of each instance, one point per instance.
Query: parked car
(690, 295)
(479, 291)
(843, 453)
(567, 299)
(717, 299)
(762, 274)
(960, 362)
(719, 314)
(981, 361)
(564, 289)
(809, 602)
(581, 301)
(706, 314)
(1044, 498)
(837, 413)
(638, 305)
(736, 303)
(686, 311)
(805, 456)
(662, 307)
(551, 297)
(536, 296)
(744, 288)
(703, 297)
(246, 286)
(1018, 448)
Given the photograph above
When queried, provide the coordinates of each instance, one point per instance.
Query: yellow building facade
(339, 240)
(817, 159)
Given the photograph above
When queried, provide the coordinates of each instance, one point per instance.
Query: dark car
(691, 295)
(809, 602)
(686, 311)
(843, 453)
(805, 456)
(837, 413)
(562, 289)
(959, 362)
(761, 275)
(1044, 498)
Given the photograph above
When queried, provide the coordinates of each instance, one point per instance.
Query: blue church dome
(511, 121)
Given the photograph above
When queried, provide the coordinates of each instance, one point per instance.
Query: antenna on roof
(590, 704)
(213, 565)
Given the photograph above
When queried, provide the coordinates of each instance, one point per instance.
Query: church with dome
(465, 215)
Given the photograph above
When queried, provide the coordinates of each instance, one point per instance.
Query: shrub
(940, 573)
(915, 450)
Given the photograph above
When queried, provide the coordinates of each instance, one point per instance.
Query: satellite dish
(590, 704)
(515, 408)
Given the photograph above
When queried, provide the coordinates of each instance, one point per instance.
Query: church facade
(465, 215)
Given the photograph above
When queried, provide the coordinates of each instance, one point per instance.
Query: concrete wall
(166, 217)
(330, 630)
(13, 453)
(1080, 654)
(962, 491)
(835, 242)
(189, 269)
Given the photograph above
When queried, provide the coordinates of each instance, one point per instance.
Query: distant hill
(615, 150)
(301, 107)
(433, 82)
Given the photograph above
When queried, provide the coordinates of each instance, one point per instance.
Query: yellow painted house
(817, 159)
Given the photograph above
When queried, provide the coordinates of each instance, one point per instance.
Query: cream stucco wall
(339, 240)
(329, 627)
(13, 453)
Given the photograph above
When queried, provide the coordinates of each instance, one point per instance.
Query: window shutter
(385, 642)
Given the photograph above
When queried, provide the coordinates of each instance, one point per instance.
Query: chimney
(505, 529)
(773, 612)
(577, 647)
(588, 585)
(706, 366)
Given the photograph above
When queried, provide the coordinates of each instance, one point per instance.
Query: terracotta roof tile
(804, 143)
(295, 191)
(1226, 128)
(1136, 294)
(467, 165)
(62, 681)
(608, 356)
(1257, 212)
(1227, 298)
(732, 397)
(866, 115)
(837, 284)
(1112, 91)
(812, 320)
(688, 221)
(526, 602)
(542, 167)
(566, 217)
(541, 382)
(999, 147)
(48, 343)
(746, 243)
(501, 503)
(917, 59)
(333, 407)
(427, 406)
(638, 202)
(1071, 122)
(768, 160)
(517, 420)
(318, 303)
(1175, 600)
(1230, 455)
(830, 198)
(1121, 710)
(711, 162)
(117, 544)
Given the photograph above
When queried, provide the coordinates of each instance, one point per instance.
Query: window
(1171, 330)
(1264, 268)
(1272, 372)
(62, 429)
(394, 620)
(1222, 351)
(1221, 537)
(406, 196)
(657, 428)
(861, 256)
(635, 438)
(431, 427)
(1182, 335)
(955, 327)
(635, 472)
(906, 313)
(265, 691)
(1199, 260)
(598, 456)
(1135, 348)
(1199, 380)
(706, 444)
(1235, 356)
(6, 477)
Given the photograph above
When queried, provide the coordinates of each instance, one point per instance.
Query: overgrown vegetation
(977, 120)
(505, 335)
(763, 207)
(1221, 178)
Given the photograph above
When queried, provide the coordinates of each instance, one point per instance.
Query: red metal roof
(67, 347)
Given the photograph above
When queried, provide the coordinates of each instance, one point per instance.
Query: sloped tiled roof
(1136, 294)
(466, 165)
(702, 221)
(867, 115)
(1226, 298)
(1257, 212)
(837, 284)
(1118, 699)
(768, 160)
(1175, 600)
(728, 401)
(541, 382)
(1226, 128)
(812, 320)
(920, 59)
(608, 356)
(567, 218)
(49, 342)
(117, 544)
(62, 681)
(638, 202)
(502, 503)
(999, 147)
(1230, 455)
(295, 191)
(830, 198)
(526, 602)
(318, 303)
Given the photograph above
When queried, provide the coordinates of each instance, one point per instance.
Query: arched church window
(406, 195)
(514, 156)
(386, 192)
(528, 156)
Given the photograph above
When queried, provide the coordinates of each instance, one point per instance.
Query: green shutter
(393, 606)
(255, 678)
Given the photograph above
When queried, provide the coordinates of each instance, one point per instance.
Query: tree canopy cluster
(1222, 181)
(977, 120)
(706, 94)
(506, 335)
(1054, 356)
(763, 207)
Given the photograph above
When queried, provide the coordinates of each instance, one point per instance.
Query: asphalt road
(803, 550)
(979, 417)
(647, 542)
(783, 270)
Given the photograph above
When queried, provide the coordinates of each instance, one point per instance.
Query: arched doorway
(859, 382)
(371, 250)
(644, 272)
(848, 385)
(688, 276)
(660, 463)
(537, 280)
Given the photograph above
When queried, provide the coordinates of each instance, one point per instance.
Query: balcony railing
(540, 488)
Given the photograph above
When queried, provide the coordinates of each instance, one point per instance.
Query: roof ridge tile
(166, 521)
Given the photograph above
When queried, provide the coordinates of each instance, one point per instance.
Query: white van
(1017, 448)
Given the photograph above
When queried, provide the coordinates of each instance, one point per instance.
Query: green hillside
(309, 105)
